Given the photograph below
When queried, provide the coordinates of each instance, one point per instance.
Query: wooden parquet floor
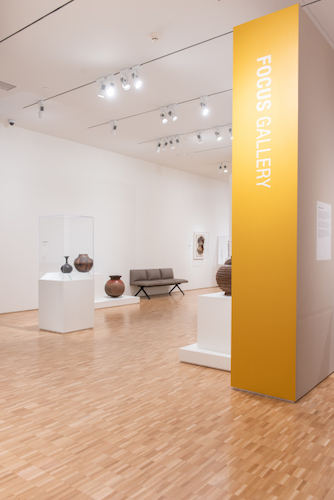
(112, 414)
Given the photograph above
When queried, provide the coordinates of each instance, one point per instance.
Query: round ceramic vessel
(223, 277)
(115, 286)
(83, 263)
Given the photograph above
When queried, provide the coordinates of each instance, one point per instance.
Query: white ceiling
(86, 40)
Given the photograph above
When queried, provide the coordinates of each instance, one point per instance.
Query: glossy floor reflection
(112, 414)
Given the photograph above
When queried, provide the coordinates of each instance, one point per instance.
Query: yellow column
(264, 204)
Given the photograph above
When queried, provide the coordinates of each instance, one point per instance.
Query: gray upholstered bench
(154, 277)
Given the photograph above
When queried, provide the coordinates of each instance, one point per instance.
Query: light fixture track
(36, 21)
(118, 72)
(203, 151)
(142, 64)
(190, 133)
(159, 109)
(310, 3)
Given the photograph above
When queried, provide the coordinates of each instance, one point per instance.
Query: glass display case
(66, 248)
(66, 273)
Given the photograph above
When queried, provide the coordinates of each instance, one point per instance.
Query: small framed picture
(200, 245)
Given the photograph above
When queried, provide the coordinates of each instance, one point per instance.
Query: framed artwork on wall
(200, 245)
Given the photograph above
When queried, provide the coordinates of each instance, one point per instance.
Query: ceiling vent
(6, 86)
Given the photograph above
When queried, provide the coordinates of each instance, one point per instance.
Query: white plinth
(66, 306)
(123, 300)
(103, 300)
(213, 346)
(196, 356)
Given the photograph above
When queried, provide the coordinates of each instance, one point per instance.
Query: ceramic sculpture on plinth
(83, 263)
(223, 277)
(115, 286)
(66, 268)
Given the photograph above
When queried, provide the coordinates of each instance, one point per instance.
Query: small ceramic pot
(66, 268)
(223, 277)
(83, 263)
(115, 286)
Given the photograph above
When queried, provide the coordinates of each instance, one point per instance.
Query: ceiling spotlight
(204, 108)
(135, 77)
(230, 132)
(220, 168)
(225, 169)
(125, 81)
(40, 109)
(172, 112)
(102, 91)
(199, 137)
(218, 134)
(178, 141)
(113, 127)
(158, 146)
(164, 144)
(171, 143)
(110, 88)
(163, 116)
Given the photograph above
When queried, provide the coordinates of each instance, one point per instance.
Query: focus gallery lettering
(263, 139)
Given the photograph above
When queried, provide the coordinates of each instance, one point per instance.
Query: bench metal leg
(174, 288)
(140, 289)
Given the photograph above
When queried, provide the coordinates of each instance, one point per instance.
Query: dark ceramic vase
(66, 268)
(115, 286)
(223, 277)
(83, 263)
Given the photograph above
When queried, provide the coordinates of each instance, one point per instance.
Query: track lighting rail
(203, 151)
(159, 109)
(36, 21)
(142, 64)
(193, 132)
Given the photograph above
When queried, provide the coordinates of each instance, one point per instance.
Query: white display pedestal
(213, 348)
(123, 300)
(66, 305)
(103, 300)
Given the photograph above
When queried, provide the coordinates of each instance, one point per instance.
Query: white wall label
(324, 231)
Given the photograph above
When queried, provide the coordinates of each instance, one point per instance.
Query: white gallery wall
(145, 214)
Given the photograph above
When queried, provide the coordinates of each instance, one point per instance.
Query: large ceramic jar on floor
(115, 286)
